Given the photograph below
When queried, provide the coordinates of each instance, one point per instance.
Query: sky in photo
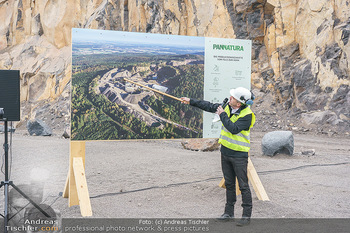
(81, 35)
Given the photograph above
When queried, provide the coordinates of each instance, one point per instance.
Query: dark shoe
(244, 221)
(225, 217)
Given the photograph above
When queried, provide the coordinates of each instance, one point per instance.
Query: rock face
(300, 47)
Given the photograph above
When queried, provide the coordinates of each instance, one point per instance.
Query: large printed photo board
(106, 107)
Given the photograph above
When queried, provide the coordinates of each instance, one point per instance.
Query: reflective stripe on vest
(235, 141)
(239, 134)
(240, 141)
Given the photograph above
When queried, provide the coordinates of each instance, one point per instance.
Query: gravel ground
(160, 179)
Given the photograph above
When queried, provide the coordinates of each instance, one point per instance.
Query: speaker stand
(6, 183)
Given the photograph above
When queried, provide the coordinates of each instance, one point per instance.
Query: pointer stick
(151, 89)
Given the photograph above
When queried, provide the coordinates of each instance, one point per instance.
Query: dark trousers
(233, 167)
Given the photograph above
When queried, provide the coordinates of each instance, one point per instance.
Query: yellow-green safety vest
(240, 141)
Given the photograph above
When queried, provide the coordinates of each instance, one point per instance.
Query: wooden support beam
(77, 150)
(76, 186)
(254, 180)
(222, 185)
(81, 187)
(66, 187)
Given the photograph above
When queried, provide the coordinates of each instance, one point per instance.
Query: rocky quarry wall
(300, 66)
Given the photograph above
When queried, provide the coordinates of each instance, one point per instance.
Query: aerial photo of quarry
(106, 107)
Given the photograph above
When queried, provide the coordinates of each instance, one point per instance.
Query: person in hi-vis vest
(237, 120)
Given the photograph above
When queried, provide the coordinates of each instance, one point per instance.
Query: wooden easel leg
(254, 180)
(222, 185)
(77, 150)
(81, 186)
(66, 188)
(76, 186)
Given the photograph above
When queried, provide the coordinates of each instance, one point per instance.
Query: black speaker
(10, 94)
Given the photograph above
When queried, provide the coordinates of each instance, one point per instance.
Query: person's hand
(219, 110)
(185, 100)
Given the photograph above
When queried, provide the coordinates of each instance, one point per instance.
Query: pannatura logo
(228, 47)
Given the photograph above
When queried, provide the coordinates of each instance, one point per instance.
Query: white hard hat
(243, 95)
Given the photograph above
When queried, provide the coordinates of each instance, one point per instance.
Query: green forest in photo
(96, 116)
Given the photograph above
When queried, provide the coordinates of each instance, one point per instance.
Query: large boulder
(278, 142)
(39, 128)
(200, 144)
